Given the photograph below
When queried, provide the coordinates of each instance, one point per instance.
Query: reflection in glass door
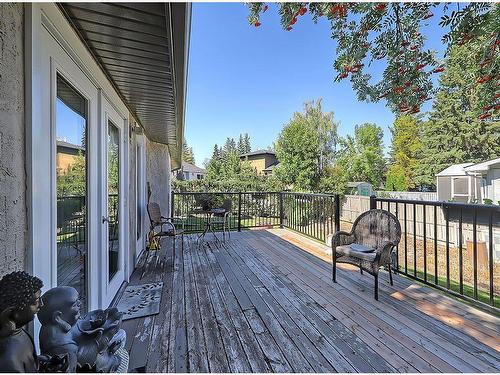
(71, 182)
(113, 174)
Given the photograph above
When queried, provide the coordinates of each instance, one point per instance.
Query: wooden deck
(265, 302)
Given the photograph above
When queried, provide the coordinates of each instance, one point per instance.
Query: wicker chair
(374, 235)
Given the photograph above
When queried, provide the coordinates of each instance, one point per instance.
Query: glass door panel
(113, 172)
(71, 182)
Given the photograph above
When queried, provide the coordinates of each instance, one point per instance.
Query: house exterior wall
(261, 162)
(443, 188)
(13, 218)
(492, 185)
(158, 174)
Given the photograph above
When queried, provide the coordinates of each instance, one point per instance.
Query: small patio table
(208, 222)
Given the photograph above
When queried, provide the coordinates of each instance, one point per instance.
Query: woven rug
(140, 300)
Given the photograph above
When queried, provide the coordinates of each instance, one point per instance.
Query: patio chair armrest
(169, 223)
(172, 220)
(342, 238)
(384, 251)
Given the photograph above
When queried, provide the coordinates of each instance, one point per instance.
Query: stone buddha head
(19, 301)
(61, 308)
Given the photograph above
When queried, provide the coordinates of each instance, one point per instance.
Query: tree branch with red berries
(390, 33)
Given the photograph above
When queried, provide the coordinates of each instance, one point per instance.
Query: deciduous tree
(362, 156)
(305, 147)
(390, 33)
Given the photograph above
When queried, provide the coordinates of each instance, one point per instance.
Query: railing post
(281, 210)
(239, 211)
(373, 202)
(337, 212)
(172, 209)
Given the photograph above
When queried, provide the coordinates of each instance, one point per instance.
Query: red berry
(302, 11)
(413, 48)
(292, 22)
(420, 66)
(289, 28)
(484, 116)
(343, 75)
(428, 15)
(380, 7)
(438, 70)
(257, 24)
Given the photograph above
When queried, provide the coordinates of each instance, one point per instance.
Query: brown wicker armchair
(374, 235)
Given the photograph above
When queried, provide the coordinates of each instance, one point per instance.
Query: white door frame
(44, 211)
(110, 287)
(51, 46)
(140, 170)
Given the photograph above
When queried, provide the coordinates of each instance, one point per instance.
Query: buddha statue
(94, 341)
(59, 313)
(19, 302)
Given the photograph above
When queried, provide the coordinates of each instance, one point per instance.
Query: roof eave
(180, 21)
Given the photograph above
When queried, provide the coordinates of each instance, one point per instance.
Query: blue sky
(247, 79)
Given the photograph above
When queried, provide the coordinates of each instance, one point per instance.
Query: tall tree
(246, 143)
(454, 133)
(405, 150)
(391, 32)
(305, 147)
(187, 153)
(362, 156)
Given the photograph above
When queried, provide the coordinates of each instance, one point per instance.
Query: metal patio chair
(222, 220)
(374, 234)
(157, 221)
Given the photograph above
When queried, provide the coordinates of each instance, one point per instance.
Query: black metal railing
(247, 209)
(315, 215)
(454, 247)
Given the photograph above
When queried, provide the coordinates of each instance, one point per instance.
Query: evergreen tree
(362, 155)
(405, 148)
(454, 134)
(241, 145)
(246, 142)
(187, 153)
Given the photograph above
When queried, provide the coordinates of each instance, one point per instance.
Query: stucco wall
(158, 174)
(13, 231)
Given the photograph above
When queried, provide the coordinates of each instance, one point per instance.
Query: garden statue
(94, 342)
(58, 315)
(19, 302)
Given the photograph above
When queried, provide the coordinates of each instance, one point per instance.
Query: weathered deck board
(265, 302)
(389, 321)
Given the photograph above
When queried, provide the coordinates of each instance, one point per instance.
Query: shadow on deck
(265, 302)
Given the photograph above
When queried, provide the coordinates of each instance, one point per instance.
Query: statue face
(72, 312)
(24, 316)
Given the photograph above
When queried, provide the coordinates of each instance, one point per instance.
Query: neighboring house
(66, 155)
(470, 182)
(263, 161)
(359, 188)
(190, 172)
(113, 77)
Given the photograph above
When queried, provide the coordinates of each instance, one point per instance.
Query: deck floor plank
(264, 302)
(455, 356)
(388, 321)
(347, 344)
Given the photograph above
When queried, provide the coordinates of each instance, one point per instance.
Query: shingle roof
(188, 167)
(258, 152)
(454, 170)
